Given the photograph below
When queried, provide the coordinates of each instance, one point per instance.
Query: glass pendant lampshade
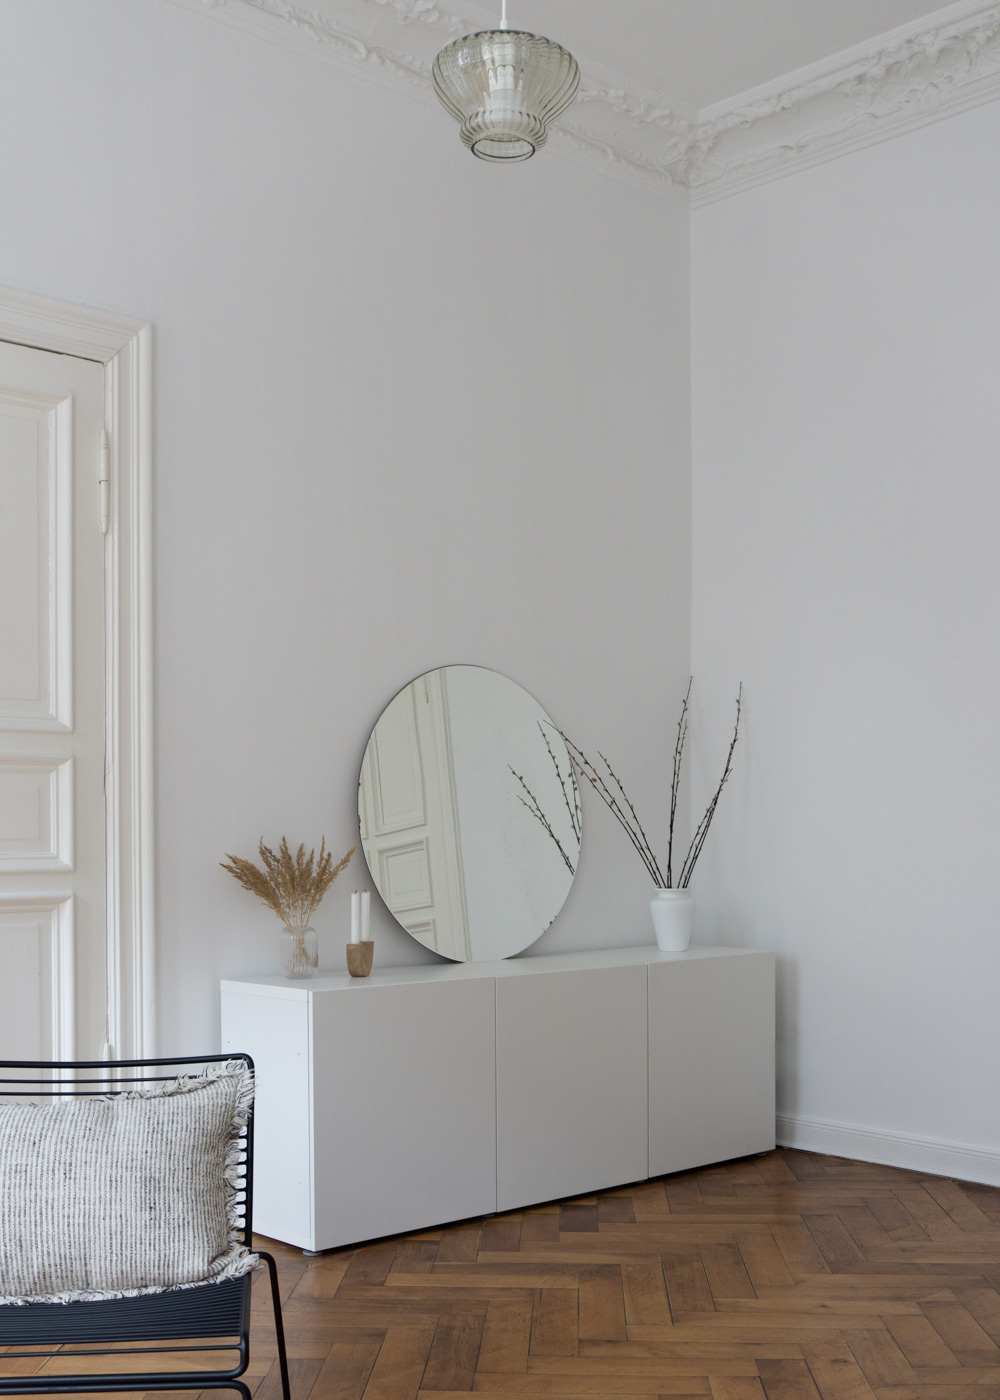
(505, 87)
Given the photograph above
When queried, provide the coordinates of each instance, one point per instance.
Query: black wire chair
(175, 1321)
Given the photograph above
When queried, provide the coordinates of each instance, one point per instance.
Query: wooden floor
(785, 1277)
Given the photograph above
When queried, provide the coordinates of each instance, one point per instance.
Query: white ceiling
(699, 52)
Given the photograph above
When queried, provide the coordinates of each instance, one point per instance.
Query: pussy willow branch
(635, 815)
(698, 840)
(597, 782)
(540, 816)
(574, 811)
(675, 784)
(630, 821)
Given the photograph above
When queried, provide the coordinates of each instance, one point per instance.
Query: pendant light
(504, 86)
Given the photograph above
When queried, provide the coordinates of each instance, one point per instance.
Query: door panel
(35, 546)
(36, 954)
(36, 813)
(53, 941)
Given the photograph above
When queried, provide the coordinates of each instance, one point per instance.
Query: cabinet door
(711, 1060)
(405, 1107)
(571, 1083)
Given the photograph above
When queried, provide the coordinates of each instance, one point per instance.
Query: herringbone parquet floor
(785, 1277)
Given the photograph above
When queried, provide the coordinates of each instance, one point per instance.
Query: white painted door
(53, 941)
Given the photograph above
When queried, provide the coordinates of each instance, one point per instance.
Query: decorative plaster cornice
(319, 34)
(394, 42)
(918, 73)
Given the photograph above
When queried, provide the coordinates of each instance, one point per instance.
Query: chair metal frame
(209, 1310)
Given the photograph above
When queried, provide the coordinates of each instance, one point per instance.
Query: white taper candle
(355, 917)
(366, 911)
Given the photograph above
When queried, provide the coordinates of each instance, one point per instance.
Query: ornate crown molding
(625, 133)
(918, 73)
(947, 62)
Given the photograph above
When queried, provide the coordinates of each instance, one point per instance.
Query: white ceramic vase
(673, 917)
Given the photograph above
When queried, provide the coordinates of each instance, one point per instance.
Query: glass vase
(299, 952)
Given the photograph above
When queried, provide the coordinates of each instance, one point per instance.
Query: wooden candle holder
(359, 958)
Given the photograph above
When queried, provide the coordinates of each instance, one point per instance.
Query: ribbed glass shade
(504, 87)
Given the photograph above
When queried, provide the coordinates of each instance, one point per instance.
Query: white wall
(846, 416)
(410, 409)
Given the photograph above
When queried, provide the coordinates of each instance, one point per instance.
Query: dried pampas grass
(292, 885)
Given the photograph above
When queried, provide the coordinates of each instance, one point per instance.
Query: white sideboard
(420, 1095)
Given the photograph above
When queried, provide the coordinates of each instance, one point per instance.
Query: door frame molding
(124, 346)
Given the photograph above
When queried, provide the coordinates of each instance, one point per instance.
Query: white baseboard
(891, 1149)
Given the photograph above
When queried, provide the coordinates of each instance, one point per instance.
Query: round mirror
(470, 814)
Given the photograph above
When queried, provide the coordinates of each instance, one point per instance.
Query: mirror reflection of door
(409, 819)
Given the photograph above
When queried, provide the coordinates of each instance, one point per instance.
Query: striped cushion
(106, 1197)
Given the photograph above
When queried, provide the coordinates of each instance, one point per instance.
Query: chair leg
(279, 1327)
(227, 1385)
